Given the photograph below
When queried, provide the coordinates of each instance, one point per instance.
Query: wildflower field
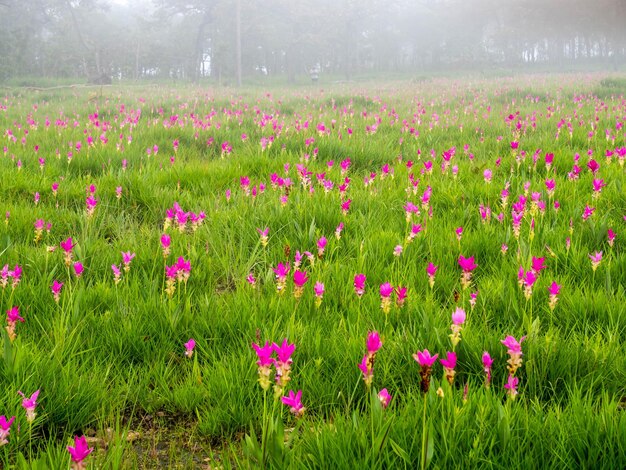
(409, 275)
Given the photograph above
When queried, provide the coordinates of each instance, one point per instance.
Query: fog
(232, 42)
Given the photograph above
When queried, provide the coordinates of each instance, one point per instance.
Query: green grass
(109, 358)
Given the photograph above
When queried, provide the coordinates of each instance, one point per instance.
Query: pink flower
(467, 264)
(116, 273)
(511, 386)
(554, 288)
(300, 278)
(126, 259)
(424, 358)
(386, 290)
(359, 284)
(283, 363)
(284, 351)
(318, 289)
(373, 342)
(397, 251)
(431, 270)
(458, 316)
(459, 233)
(321, 246)
(401, 294)
(5, 428)
(56, 290)
(13, 315)
(251, 279)
(449, 363)
(611, 237)
(512, 345)
(384, 397)
(29, 404)
(67, 245)
(264, 353)
(189, 346)
(588, 212)
(78, 268)
(367, 368)
(487, 363)
(538, 265)
(79, 452)
(596, 258)
(294, 402)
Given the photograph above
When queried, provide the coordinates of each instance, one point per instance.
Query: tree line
(231, 41)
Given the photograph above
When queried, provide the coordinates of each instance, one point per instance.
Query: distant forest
(230, 41)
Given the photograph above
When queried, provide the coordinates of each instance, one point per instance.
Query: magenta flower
(367, 368)
(467, 264)
(554, 289)
(78, 268)
(79, 452)
(5, 428)
(401, 294)
(458, 316)
(338, 230)
(91, 203)
(397, 251)
(263, 233)
(321, 246)
(487, 363)
(318, 289)
(431, 270)
(293, 401)
(67, 245)
(384, 397)
(126, 259)
(426, 361)
(13, 315)
(386, 289)
(189, 346)
(588, 212)
(359, 284)
(265, 361)
(538, 265)
(117, 274)
(449, 363)
(424, 358)
(373, 342)
(251, 279)
(56, 290)
(596, 259)
(281, 271)
(283, 363)
(611, 237)
(514, 350)
(29, 404)
(299, 279)
(165, 244)
(511, 386)
(459, 233)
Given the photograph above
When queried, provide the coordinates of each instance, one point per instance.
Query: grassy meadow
(476, 210)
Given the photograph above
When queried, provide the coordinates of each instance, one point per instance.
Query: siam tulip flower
(514, 350)
(359, 284)
(171, 274)
(596, 258)
(397, 251)
(55, 188)
(39, 226)
(117, 274)
(384, 398)
(538, 265)
(401, 293)
(472, 300)
(5, 429)
(251, 280)
(264, 235)
(345, 206)
(426, 361)
(78, 268)
(321, 246)
(504, 248)
(611, 237)
(598, 184)
(449, 363)
(79, 452)
(189, 347)
(338, 230)
(458, 319)
(126, 259)
(386, 290)
(319, 293)
(294, 403)
(431, 270)
(281, 271)
(528, 281)
(299, 279)
(467, 265)
(411, 209)
(593, 166)
(283, 365)
(56, 290)
(588, 212)
(415, 230)
(91, 203)
(487, 174)
(183, 268)
(118, 192)
(550, 186)
(29, 404)
(13, 316)
(459, 234)
(67, 247)
(511, 387)
(554, 289)
(37, 198)
(264, 353)
(165, 244)
(487, 363)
